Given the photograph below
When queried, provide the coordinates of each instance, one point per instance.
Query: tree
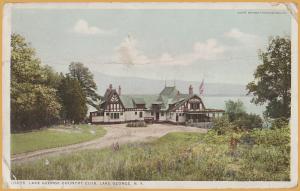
(272, 79)
(25, 66)
(52, 78)
(86, 79)
(33, 106)
(73, 100)
(33, 103)
(234, 109)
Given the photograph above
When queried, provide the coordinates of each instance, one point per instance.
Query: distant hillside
(134, 85)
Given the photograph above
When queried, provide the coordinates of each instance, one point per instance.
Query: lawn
(176, 156)
(56, 136)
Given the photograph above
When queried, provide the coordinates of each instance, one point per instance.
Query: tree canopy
(40, 96)
(33, 102)
(73, 100)
(234, 109)
(86, 80)
(272, 78)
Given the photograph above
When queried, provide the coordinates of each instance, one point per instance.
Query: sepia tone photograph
(150, 95)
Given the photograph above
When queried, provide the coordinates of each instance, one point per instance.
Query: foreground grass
(176, 156)
(50, 138)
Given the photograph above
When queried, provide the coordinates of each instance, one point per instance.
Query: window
(116, 116)
(112, 115)
(121, 113)
(107, 114)
(135, 113)
(162, 114)
(98, 113)
(152, 113)
(195, 105)
(179, 114)
(141, 114)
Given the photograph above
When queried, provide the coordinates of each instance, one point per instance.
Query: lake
(216, 102)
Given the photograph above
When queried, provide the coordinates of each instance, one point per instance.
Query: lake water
(216, 102)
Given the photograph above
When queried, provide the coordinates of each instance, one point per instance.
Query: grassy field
(56, 136)
(259, 155)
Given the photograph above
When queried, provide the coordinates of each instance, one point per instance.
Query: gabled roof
(149, 99)
(187, 97)
(169, 96)
(169, 91)
(127, 101)
(138, 100)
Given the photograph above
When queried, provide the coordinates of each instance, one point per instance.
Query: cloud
(128, 53)
(242, 37)
(83, 27)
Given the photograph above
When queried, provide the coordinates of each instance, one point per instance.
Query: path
(115, 133)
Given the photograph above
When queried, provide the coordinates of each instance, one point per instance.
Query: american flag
(201, 88)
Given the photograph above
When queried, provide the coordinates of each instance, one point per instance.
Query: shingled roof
(168, 96)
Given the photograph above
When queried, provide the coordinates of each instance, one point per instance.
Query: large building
(168, 106)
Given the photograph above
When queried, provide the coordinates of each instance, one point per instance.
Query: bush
(279, 123)
(249, 121)
(137, 124)
(222, 125)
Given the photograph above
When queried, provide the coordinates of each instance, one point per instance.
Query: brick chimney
(191, 90)
(177, 95)
(119, 90)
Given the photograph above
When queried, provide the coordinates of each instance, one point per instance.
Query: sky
(214, 45)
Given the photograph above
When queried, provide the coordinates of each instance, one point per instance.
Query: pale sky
(217, 45)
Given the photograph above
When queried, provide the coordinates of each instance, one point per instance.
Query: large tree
(272, 78)
(86, 79)
(33, 102)
(234, 109)
(73, 100)
(33, 106)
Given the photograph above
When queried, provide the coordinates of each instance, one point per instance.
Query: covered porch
(203, 116)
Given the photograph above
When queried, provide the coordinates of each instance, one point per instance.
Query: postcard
(150, 95)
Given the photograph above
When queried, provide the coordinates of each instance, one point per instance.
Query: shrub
(248, 121)
(279, 123)
(222, 125)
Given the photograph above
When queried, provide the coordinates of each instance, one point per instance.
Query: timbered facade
(169, 106)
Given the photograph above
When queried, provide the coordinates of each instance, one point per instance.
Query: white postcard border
(8, 183)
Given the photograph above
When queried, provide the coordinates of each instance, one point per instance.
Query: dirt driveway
(115, 133)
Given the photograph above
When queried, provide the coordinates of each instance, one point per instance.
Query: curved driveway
(115, 133)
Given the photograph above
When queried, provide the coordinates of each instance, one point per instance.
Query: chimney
(119, 92)
(110, 86)
(177, 95)
(190, 90)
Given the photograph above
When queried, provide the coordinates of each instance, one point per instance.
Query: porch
(203, 116)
